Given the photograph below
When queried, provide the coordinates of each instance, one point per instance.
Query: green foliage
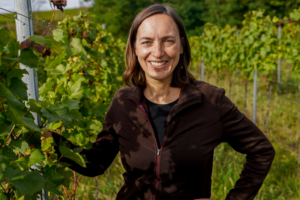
(254, 46)
(118, 15)
(83, 71)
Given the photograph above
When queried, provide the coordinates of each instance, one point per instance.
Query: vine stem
(8, 70)
(44, 124)
(9, 135)
(50, 23)
(66, 192)
(26, 112)
(6, 188)
(12, 192)
(21, 133)
(76, 183)
(30, 136)
(58, 160)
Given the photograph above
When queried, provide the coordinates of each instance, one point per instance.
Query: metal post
(202, 68)
(278, 62)
(236, 69)
(254, 96)
(24, 31)
(24, 27)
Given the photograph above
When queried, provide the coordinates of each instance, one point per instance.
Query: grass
(283, 132)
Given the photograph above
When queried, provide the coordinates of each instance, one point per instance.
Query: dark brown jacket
(181, 169)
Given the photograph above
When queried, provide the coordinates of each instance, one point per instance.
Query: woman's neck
(161, 92)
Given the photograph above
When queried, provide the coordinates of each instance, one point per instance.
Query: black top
(158, 114)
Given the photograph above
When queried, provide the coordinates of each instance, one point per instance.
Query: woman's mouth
(158, 65)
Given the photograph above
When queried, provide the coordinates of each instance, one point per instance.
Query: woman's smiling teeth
(158, 64)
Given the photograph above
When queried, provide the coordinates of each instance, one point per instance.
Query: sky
(40, 5)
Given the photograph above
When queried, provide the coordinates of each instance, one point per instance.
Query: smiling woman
(166, 124)
(158, 37)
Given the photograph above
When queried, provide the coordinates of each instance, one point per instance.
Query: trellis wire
(24, 22)
(42, 21)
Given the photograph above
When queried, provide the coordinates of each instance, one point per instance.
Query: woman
(166, 125)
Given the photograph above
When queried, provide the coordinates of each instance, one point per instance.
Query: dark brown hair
(134, 74)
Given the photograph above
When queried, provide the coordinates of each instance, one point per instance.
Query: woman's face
(158, 47)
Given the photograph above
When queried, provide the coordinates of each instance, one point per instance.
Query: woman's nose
(158, 50)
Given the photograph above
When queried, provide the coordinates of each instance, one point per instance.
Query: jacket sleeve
(245, 137)
(103, 151)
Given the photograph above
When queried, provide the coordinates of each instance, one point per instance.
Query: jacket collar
(189, 95)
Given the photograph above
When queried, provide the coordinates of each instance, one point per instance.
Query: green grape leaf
(7, 152)
(18, 88)
(4, 36)
(3, 196)
(77, 150)
(47, 143)
(94, 126)
(57, 112)
(20, 145)
(22, 163)
(5, 92)
(76, 114)
(77, 46)
(39, 39)
(75, 91)
(48, 41)
(34, 106)
(58, 34)
(51, 174)
(26, 183)
(4, 163)
(15, 72)
(66, 173)
(68, 153)
(51, 188)
(52, 117)
(31, 197)
(35, 157)
(28, 53)
(70, 103)
(30, 123)
(14, 48)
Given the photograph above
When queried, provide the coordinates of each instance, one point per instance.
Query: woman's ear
(182, 45)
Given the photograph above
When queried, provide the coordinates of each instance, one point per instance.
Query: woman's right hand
(47, 134)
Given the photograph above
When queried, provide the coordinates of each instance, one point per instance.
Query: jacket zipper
(158, 150)
(158, 164)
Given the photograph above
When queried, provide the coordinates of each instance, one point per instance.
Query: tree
(118, 15)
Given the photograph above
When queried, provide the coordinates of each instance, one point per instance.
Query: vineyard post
(24, 28)
(236, 69)
(278, 62)
(254, 96)
(202, 65)
(202, 68)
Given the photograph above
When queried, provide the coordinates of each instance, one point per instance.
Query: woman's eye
(146, 42)
(169, 41)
